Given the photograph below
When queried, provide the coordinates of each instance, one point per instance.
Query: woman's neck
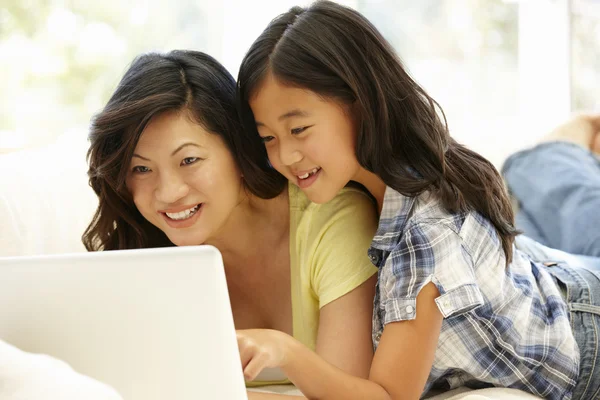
(252, 225)
(373, 184)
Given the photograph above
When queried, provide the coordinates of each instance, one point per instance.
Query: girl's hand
(262, 348)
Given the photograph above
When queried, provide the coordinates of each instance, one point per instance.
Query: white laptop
(153, 324)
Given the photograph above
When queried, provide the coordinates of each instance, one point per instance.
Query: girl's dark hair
(337, 53)
(187, 81)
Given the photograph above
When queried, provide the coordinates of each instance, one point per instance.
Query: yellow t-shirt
(328, 255)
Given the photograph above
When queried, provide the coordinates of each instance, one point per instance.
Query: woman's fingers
(257, 363)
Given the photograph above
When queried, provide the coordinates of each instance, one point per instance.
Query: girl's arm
(399, 370)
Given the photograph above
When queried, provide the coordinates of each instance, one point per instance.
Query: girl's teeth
(183, 214)
(306, 175)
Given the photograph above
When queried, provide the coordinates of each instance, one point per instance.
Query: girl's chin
(320, 196)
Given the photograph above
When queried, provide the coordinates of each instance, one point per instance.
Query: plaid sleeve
(428, 252)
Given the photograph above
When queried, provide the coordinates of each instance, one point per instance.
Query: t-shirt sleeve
(428, 253)
(345, 227)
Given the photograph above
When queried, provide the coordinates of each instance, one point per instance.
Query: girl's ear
(355, 113)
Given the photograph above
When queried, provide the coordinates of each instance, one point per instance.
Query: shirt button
(374, 258)
(410, 309)
(378, 336)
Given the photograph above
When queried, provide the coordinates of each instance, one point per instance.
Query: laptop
(153, 324)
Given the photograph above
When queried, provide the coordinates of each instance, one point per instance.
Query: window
(60, 61)
(585, 52)
(502, 74)
(465, 53)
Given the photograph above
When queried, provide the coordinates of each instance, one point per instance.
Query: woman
(168, 163)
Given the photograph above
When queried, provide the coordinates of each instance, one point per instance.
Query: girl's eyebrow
(293, 113)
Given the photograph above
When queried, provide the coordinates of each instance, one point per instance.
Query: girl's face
(309, 140)
(184, 179)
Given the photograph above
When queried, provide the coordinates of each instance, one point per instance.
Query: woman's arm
(343, 340)
(342, 284)
(399, 371)
(272, 396)
(344, 336)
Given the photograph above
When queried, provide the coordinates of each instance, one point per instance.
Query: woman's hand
(263, 348)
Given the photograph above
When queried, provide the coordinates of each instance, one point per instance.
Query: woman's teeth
(311, 173)
(178, 216)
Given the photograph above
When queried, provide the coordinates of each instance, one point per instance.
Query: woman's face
(309, 140)
(184, 179)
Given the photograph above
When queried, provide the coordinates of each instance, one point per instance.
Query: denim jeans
(557, 185)
(579, 279)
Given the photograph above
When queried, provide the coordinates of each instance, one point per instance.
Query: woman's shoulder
(351, 214)
(352, 197)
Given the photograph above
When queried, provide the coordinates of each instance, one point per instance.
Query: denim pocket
(581, 288)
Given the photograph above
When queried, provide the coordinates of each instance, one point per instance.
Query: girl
(456, 303)
(170, 167)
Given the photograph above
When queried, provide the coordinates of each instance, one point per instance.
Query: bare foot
(596, 137)
(582, 129)
(596, 143)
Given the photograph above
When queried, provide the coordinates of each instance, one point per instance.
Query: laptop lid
(153, 323)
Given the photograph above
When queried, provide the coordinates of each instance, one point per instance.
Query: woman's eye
(189, 160)
(266, 139)
(297, 131)
(140, 169)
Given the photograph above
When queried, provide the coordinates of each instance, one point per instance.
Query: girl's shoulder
(425, 215)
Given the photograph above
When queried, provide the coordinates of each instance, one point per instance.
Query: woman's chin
(185, 241)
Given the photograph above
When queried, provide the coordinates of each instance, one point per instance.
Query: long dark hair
(337, 53)
(153, 84)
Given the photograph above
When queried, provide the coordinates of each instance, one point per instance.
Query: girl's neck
(373, 184)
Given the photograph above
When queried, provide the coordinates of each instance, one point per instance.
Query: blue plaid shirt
(505, 327)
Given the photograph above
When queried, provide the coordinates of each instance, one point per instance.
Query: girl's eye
(297, 131)
(140, 169)
(266, 139)
(189, 160)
